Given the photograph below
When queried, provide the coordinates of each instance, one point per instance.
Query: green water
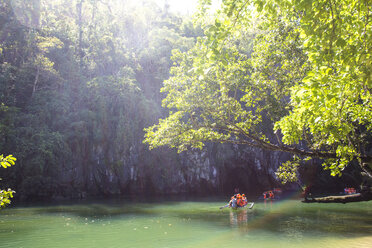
(187, 224)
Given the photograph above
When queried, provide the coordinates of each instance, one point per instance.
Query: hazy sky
(183, 6)
(178, 6)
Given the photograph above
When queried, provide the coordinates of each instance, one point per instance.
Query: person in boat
(230, 202)
(242, 201)
(271, 195)
(233, 202)
(245, 201)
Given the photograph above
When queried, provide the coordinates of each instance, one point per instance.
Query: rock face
(217, 169)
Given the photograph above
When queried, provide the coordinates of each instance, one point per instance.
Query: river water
(193, 224)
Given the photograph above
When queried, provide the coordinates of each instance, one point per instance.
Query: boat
(274, 194)
(249, 205)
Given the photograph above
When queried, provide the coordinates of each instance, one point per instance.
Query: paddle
(226, 206)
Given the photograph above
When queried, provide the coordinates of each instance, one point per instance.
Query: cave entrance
(243, 179)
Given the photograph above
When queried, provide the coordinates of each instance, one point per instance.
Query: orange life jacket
(240, 202)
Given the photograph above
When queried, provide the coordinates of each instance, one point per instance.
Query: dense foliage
(80, 80)
(5, 195)
(308, 79)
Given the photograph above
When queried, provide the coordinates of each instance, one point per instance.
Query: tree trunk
(367, 169)
(364, 196)
(36, 81)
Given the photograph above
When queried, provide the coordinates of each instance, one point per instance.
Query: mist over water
(187, 224)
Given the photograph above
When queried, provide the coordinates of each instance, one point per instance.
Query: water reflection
(268, 204)
(296, 221)
(292, 228)
(238, 217)
(289, 219)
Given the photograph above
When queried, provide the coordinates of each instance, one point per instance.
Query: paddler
(244, 199)
(233, 202)
(230, 202)
(240, 201)
(271, 195)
